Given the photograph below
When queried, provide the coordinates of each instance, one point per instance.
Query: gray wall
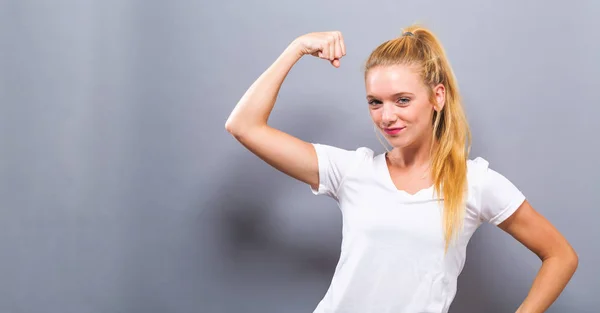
(120, 190)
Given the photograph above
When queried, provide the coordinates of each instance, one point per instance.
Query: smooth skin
(397, 98)
(248, 121)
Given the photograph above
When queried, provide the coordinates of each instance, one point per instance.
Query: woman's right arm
(248, 120)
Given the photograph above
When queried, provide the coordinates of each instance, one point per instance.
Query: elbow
(239, 130)
(573, 260)
(569, 260)
(231, 127)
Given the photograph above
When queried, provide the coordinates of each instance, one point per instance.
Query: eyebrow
(393, 96)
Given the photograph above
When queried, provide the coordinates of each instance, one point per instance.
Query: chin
(398, 142)
(406, 141)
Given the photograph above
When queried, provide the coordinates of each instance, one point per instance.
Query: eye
(374, 102)
(403, 101)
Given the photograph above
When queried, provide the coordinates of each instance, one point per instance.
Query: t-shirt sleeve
(334, 165)
(499, 198)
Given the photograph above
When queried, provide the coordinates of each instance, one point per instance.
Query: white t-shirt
(392, 253)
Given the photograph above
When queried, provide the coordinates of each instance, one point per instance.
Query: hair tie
(408, 34)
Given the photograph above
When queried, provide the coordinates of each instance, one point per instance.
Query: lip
(393, 131)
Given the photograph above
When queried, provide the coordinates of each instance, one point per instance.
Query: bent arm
(248, 124)
(559, 260)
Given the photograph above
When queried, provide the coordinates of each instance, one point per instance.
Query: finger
(321, 52)
(335, 62)
(331, 49)
(337, 48)
(342, 44)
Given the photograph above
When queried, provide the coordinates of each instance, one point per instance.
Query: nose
(387, 116)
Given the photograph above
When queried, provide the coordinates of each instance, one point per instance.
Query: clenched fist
(325, 45)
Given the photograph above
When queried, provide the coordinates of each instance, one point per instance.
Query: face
(400, 105)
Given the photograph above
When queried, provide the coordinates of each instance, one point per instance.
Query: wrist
(294, 50)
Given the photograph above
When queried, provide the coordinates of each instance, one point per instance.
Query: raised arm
(248, 120)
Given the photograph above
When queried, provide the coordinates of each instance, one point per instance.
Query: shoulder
(477, 168)
(338, 149)
(492, 195)
(343, 155)
(481, 176)
(336, 164)
(343, 159)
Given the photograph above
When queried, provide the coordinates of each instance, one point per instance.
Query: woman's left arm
(559, 260)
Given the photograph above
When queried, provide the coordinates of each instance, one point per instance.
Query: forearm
(550, 281)
(255, 106)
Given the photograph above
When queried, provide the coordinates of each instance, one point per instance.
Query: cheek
(375, 115)
(412, 115)
(419, 116)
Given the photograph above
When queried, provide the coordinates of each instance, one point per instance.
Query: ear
(439, 93)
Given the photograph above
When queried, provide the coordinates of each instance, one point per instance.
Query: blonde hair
(451, 143)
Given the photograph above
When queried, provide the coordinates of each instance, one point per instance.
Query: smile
(393, 131)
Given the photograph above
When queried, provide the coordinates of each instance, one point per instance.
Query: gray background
(121, 191)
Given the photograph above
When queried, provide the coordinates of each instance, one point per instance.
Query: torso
(409, 180)
(392, 257)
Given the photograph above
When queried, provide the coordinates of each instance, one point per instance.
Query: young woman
(409, 213)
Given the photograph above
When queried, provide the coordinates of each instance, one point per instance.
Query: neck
(416, 155)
